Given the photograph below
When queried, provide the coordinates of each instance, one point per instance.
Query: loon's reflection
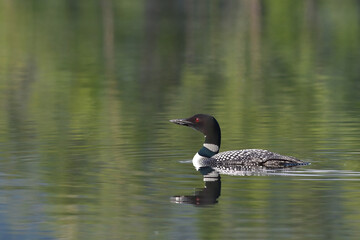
(206, 195)
(212, 180)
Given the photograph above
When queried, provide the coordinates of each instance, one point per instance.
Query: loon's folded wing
(256, 157)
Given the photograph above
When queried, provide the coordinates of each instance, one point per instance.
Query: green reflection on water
(87, 87)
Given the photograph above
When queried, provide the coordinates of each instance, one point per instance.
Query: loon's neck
(211, 145)
(212, 142)
(212, 136)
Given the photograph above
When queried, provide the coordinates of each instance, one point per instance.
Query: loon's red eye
(197, 120)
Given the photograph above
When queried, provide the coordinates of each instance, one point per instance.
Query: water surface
(87, 89)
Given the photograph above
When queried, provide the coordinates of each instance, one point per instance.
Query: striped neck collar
(208, 150)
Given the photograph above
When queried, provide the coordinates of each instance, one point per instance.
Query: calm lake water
(87, 88)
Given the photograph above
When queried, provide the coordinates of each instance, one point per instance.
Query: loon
(209, 154)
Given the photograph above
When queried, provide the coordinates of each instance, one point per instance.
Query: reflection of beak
(183, 122)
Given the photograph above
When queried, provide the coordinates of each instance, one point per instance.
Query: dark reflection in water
(206, 195)
(210, 193)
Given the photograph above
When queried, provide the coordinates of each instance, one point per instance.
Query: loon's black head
(204, 123)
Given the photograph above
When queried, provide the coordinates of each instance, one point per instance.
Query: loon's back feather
(255, 157)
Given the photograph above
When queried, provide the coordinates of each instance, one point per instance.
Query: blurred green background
(87, 88)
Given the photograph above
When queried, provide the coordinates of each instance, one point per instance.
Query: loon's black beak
(183, 122)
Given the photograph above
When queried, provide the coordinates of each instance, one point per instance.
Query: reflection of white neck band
(211, 147)
(212, 177)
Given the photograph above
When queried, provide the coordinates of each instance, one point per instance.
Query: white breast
(199, 161)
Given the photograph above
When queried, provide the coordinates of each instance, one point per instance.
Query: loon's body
(209, 154)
